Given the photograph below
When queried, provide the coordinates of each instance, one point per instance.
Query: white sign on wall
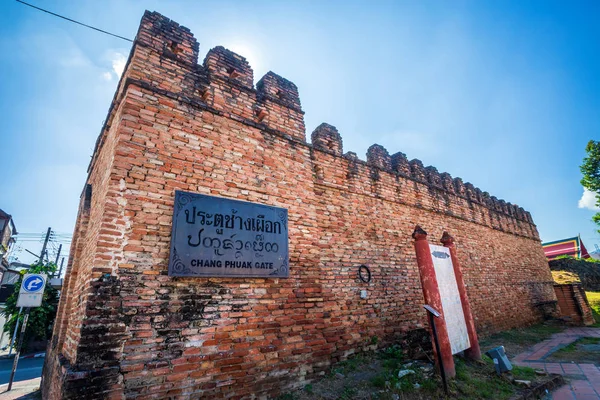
(451, 304)
(32, 290)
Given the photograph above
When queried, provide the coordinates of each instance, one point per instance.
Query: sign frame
(213, 236)
(32, 298)
(450, 296)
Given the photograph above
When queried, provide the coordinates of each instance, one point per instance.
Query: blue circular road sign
(33, 283)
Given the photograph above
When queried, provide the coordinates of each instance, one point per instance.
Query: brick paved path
(584, 378)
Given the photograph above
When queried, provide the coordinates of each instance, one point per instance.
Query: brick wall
(573, 304)
(126, 329)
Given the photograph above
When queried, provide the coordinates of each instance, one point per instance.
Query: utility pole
(25, 319)
(45, 245)
(62, 261)
(57, 256)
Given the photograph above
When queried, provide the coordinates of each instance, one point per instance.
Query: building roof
(5, 215)
(566, 247)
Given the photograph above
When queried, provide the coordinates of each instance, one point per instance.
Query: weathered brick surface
(127, 330)
(573, 304)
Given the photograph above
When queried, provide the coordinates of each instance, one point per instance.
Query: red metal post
(474, 352)
(431, 292)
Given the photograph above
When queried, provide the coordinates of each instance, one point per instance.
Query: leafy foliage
(591, 174)
(568, 257)
(39, 325)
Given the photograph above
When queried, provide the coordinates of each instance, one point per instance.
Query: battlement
(224, 81)
(277, 89)
(379, 157)
(444, 191)
(168, 38)
(223, 84)
(327, 138)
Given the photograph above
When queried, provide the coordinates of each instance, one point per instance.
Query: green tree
(591, 174)
(39, 325)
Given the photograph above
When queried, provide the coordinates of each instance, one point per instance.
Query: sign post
(431, 293)
(473, 351)
(445, 292)
(435, 314)
(30, 295)
(14, 336)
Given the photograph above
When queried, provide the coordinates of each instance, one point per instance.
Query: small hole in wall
(204, 93)
(260, 114)
(319, 173)
(280, 94)
(175, 47)
(232, 72)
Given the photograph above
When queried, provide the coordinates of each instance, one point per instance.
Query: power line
(42, 233)
(76, 22)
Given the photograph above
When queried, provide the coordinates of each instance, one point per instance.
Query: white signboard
(32, 290)
(451, 304)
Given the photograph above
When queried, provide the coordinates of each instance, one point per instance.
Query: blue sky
(502, 94)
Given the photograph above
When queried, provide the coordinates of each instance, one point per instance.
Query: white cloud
(117, 60)
(588, 200)
(118, 63)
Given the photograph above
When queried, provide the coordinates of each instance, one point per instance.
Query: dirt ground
(388, 375)
(370, 381)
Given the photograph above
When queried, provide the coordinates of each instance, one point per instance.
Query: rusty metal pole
(474, 352)
(18, 353)
(431, 293)
(436, 341)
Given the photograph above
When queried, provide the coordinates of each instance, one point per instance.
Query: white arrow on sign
(34, 283)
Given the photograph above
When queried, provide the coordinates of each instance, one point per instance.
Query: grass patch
(578, 351)
(518, 340)
(594, 300)
(479, 381)
(378, 381)
(573, 346)
(528, 336)
(287, 396)
(392, 357)
(348, 393)
(523, 373)
(375, 376)
(350, 365)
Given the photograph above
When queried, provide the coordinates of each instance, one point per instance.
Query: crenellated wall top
(224, 83)
(398, 164)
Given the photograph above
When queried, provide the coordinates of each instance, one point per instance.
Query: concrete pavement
(22, 390)
(584, 378)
